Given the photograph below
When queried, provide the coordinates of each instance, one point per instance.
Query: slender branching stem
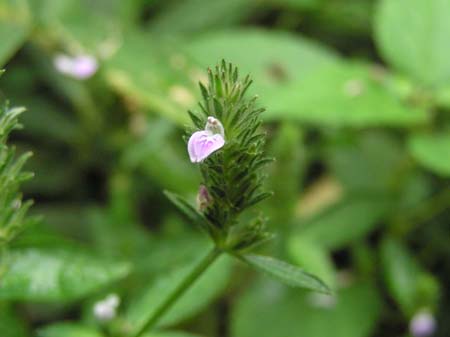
(199, 269)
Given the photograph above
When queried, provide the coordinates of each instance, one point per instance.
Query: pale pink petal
(80, 67)
(202, 144)
(84, 66)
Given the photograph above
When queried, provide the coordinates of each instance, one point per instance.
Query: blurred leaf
(344, 94)
(274, 59)
(341, 224)
(309, 255)
(86, 26)
(190, 16)
(43, 274)
(188, 210)
(55, 171)
(45, 121)
(152, 75)
(286, 273)
(332, 18)
(170, 334)
(407, 282)
(170, 169)
(423, 51)
(68, 330)
(14, 27)
(288, 312)
(286, 173)
(10, 323)
(432, 151)
(365, 161)
(297, 4)
(203, 291)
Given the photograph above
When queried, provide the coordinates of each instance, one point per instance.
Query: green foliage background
(358, 116)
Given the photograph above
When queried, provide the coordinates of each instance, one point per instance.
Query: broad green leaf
(341, 224)
(68, 330)
(286, 273)
(343, 94)
(14, 27)
(432, 151)
(414, 36)
(10, 323)
(269, 310)
(274, 59)
(195, 299)
(45, 274)
(309, 255)
(408, 284)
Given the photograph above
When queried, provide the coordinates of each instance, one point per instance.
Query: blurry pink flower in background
(79, 67)
(423, 324)
(203, 143)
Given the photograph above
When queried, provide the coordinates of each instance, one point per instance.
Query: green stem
(180, 290)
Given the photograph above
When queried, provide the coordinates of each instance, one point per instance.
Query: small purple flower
(204, 199)
(423, 324)
(80, 67)
(203, 143)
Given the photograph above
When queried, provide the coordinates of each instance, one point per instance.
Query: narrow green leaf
(286, 273)
(188, 210)
(410, 286)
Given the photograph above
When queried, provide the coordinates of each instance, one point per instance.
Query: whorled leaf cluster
(234, 175)
(12, 209)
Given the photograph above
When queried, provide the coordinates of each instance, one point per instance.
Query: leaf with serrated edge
(286, 273)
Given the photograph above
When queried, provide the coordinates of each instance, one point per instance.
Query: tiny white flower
(106, 309)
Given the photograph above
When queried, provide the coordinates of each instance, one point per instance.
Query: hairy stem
(201, 267)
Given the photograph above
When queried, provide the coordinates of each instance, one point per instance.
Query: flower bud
(214, 126)
(204, 199)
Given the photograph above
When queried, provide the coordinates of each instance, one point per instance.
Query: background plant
(357, 98)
